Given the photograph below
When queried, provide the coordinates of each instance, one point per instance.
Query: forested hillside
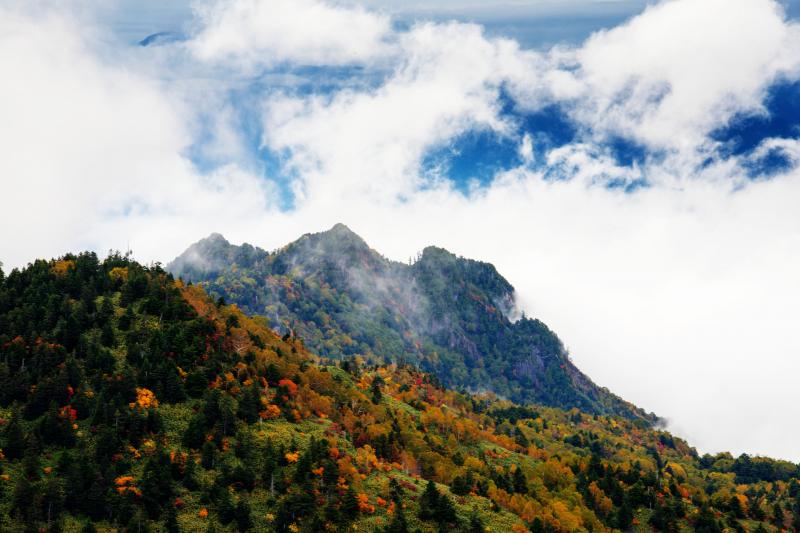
(450, 316)
(132, 402)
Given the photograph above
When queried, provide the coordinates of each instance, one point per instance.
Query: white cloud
(253, 33)
(369, 143)
(681, 297)
(92, 151)
(681, 68)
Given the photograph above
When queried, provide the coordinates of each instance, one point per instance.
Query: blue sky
(631, 167)
(533, 23)
(473, 158)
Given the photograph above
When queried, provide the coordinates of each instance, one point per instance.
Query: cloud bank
(595, 177)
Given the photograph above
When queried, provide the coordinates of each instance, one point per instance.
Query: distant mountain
(451, 316)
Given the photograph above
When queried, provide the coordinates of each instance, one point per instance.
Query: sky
(631, 167)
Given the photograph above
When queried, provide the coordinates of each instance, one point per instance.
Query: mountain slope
(131, 402)
(448, 315)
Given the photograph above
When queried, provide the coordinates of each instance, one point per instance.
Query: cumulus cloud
(253, 34)
(680, 69)
(680, 297)
(93, 151)
(371, 142)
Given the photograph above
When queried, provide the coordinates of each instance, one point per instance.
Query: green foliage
(192, 416)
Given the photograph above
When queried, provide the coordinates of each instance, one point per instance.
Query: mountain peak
(213, 239)
(337, 247)
(213, 254)
(341, 229)
(340, 233)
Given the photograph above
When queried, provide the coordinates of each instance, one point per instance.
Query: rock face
(448, 315)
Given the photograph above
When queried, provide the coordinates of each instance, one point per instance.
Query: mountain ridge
(449, 315)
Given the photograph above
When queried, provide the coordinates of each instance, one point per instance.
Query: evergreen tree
(398, 524)
(207, 454)
(94, 505)
(272, 375)
(377, 395)
(475, 523)
(244, 522)
(777, 514)
(429, 501)
(436, 506)
(519, 482)
(127, 319)
(173, 391)
(52, 502)
(24, 494)
(350, 504)
(250, 405)
(445, 511)
(706, 522)
(227, 415)
(171, 520)
(156, 485)
(14, 438)
(138, 523)
(624, 517)
(107, 335)
(195, 434)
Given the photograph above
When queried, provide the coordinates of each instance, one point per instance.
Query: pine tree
(171, 520)
(195, 434)
(475, 523)
(94, 505)
(398, 524)
(225, 508)
(777, 514)
(350, 503)
(24, 494)
(624, 517)
(126, 320)
(445, 511)
(272, 375)
(429, 502)
(138, 524)
(250, 405)
(520, 483)
(14, 438)
(706, 522)
(107, 335)
(227, 415)
(173, 391)
(52, 502)
(377, 395)
(156, 483)
(244, 521)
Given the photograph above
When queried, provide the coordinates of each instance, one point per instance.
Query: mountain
(132, 402)
(451, 316)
